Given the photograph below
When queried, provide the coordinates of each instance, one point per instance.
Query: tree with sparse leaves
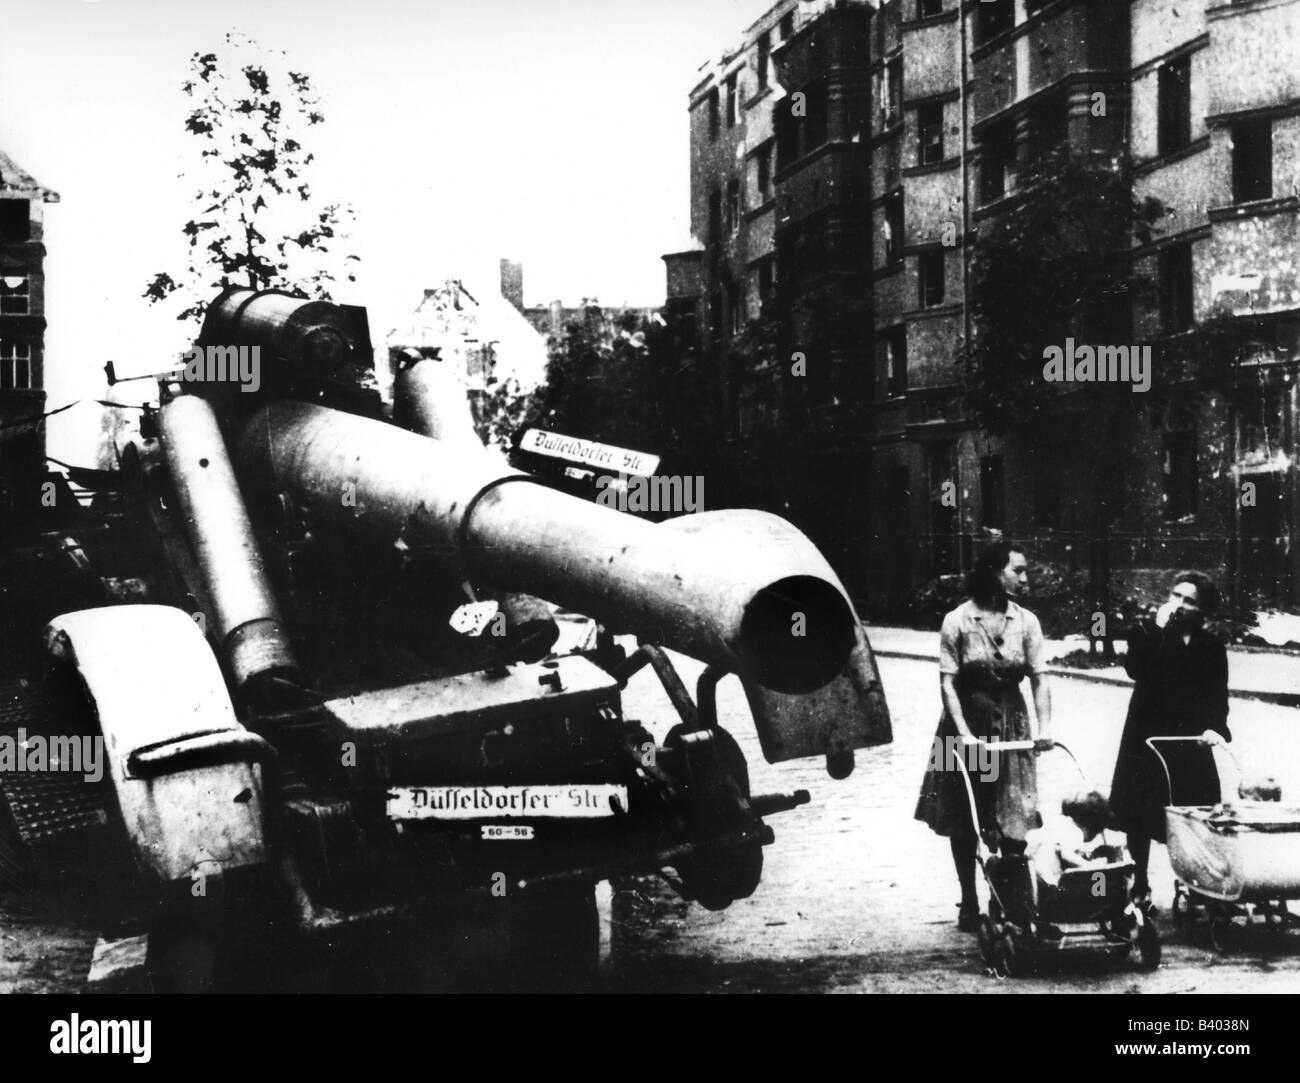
(501, 411)
(632, 382)
(1055, 265)
(260, 224)
(1058, 264)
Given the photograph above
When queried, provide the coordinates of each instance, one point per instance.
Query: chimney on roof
(512, 283)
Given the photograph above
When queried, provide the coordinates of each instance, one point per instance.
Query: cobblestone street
(857, 896)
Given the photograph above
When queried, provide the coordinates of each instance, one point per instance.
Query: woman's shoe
(968, 916)
(1141, 898)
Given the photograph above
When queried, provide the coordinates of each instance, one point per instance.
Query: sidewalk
(1271, 676)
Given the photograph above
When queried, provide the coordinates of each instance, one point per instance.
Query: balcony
(1059, 41)
(836, 38)
(934, 408)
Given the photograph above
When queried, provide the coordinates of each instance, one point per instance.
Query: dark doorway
(1264, 577)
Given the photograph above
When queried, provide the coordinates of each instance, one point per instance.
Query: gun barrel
(429, 400)
(743, 589)
(314, 333)
(248, 629)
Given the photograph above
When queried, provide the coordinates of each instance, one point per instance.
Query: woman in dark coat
(1180, 689)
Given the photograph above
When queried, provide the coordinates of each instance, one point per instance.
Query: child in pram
(1073, 840)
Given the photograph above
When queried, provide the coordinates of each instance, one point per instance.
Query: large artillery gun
(301, 737)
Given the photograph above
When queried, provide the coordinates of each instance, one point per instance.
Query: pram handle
(1169, 782)
(1029, 746)
(1008, 746)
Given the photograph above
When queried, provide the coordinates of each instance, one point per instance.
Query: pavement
(1258, 673)
(856, 895)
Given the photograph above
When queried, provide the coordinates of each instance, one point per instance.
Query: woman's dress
(988, 666)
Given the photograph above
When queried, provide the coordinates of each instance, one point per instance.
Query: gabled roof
(458, 320)
(13, 178)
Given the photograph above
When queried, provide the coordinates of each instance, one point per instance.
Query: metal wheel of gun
(1180, 689)
(987, 646)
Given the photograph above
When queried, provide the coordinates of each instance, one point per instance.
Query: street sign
(575, 449)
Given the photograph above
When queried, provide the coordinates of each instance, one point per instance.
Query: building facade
(775, 281)
(482, 336)
(22, 328)
(597, 320)
(929, 118)
(967, 99)
(1216, 130)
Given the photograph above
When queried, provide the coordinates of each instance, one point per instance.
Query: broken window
(733, 205)
(715, 122)
(15, 297)
(764, 58)
(763, 161)
(893, 229)
(893, 347)
(15, 221)
(930, 267)
(797, 135)
(787, 25)
(1179, 464)
(1175, 105)
(890, 93)
(787, 137)
(715, 215)
(1176, 288)
(733, 101)
(998, 163)
(1049, 127)
(1252, 160)
(993, 17)
(929, 133)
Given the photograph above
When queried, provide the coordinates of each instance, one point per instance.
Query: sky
(553, 132)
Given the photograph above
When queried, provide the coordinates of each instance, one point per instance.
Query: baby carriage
(1091, 907)
(1231, 860)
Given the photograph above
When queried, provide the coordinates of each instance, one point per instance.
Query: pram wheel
(986, 936)
(1281, 917)
(1222, 930)
(1182, 909)
(1148, 945)
(1276, 916)
(1013, 957)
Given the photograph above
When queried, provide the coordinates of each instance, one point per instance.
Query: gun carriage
(267, 587)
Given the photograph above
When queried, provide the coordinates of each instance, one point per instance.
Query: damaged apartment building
(22, 333)
(851, 229)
